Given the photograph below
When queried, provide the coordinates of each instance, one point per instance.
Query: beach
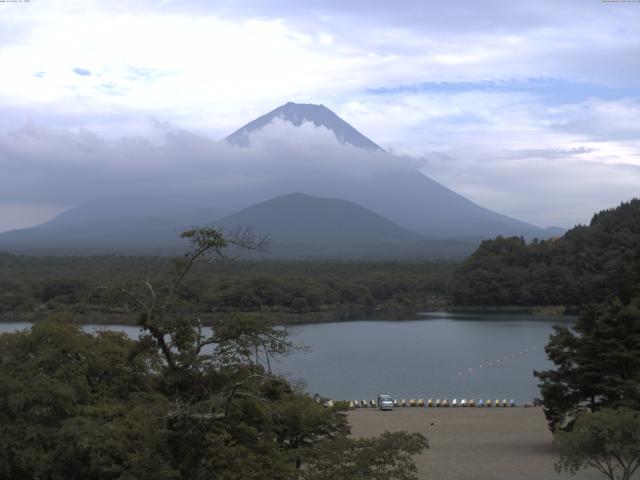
(474, 443)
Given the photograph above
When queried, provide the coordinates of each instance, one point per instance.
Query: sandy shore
(474, 443)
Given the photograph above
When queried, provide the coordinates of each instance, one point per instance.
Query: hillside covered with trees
(585, 265)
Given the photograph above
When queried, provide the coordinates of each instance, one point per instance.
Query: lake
(443, 355)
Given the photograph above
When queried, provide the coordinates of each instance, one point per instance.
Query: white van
(385, 402)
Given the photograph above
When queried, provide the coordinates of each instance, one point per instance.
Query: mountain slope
(303, 226)
(122, 225)
(407, 197)
(416, 202)
(298, 113)
(302, 219)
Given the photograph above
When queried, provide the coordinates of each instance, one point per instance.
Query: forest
(587, 264)
(293, 291)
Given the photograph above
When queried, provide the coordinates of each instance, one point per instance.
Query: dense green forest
(288, 291)
(585, 265)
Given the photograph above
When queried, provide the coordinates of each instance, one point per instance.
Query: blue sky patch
(549, 91)
(82, 72)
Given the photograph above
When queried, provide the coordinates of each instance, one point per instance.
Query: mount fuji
(425, 214)
(297, 114)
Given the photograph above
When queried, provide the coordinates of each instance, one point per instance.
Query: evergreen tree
(597, 363)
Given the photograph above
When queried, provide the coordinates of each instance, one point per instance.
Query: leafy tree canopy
(386, 457)
(608, 441)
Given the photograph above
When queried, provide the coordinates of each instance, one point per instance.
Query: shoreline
(417, 312)
(276, 318)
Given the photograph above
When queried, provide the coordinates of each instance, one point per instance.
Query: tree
(597, 363)
(388, 457)
(300, 422)
(180, 339)
(608, 440)
(76, 406)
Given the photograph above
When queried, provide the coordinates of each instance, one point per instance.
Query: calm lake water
(441, 356)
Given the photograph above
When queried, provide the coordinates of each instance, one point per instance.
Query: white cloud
(196, 68)
(65, 167)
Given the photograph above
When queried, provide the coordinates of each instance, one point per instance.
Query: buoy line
(499, 361)
(445, 403)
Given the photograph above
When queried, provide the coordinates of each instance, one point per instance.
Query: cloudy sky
(531, 108)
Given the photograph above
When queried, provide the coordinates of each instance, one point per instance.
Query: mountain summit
(297, 114)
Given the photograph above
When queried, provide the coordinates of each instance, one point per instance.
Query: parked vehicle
(385, 402)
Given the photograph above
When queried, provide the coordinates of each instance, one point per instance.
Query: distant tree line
(37, 284)
(585, 265)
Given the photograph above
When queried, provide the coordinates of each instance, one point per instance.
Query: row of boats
(436, 403)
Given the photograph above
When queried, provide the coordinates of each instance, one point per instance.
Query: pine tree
(597, 363)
